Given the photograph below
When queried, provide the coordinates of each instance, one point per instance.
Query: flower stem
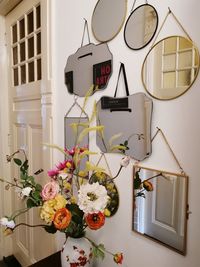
(96, 246)
(5, 181)
(29, 225)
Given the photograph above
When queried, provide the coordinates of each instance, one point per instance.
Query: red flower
(118, 258)
(62, 218)
(95, 220)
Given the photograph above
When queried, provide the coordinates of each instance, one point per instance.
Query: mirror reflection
(170, 67)
(160, 206)
(108, 18)
(141, 27)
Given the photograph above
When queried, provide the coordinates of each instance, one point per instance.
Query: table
(51, 261)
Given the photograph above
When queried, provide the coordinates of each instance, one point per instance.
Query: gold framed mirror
(108, 18)
(160, 206)
(170, 67)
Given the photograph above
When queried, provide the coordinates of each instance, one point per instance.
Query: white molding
(5, 203)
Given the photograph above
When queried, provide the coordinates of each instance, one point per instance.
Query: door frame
(46, 109)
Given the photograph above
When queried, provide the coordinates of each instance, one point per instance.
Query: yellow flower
(82, 174)
(107, 213)
(60, 202)
(50, 207)
(100, 175)
(73, 200)
(68, 165)
(67, 185)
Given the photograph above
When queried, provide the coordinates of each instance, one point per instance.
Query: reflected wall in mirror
(141, 27)
(170, 67)
(160, 206)
(108, 18)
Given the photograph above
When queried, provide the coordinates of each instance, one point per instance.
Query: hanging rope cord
(178, 22)
(135, 3)
(168, 145)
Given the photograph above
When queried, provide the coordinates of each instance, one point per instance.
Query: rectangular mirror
(160, 206)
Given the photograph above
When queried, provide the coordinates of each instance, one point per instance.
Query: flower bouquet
(72, 201)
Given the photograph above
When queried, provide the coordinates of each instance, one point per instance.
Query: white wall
(177, 118)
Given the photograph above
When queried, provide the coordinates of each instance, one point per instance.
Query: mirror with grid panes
(26, 48)
(170, 67)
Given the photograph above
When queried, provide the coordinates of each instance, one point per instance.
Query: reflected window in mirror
(170, 67)
(160, 206)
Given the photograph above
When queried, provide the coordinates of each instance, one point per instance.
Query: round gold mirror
(140, 27)
(108, 18)
(170, 68)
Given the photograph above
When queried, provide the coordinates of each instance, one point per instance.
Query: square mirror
(160, 206)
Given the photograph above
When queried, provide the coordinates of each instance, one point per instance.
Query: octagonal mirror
(141, 27)
(170, 68)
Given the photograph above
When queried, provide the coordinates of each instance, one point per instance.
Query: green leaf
(50, 229)
(31, 180)
(23, 176)
(36, 195)
(75, 210)
(17, 161)
(38, 187)
(24, 167)
(126, 143)
(30, 203)
(137, 181)
(99, 251)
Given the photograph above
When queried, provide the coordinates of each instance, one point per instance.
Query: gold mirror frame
(103, 19)
(150, 217)
(170, 72)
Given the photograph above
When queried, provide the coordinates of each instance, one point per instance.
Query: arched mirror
(108, 18)
(160, 206)
(170, 67)
(141, 26)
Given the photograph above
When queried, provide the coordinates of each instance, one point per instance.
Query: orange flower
(62, 218)
(95, 220)
(118, 258)
(148, 186)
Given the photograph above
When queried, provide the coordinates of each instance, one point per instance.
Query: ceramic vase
(76, 252)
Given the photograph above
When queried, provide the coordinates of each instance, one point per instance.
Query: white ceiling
(7, 5)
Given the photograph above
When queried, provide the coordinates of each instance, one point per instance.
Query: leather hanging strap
(84, 29)
(122, 68)
(168, 145)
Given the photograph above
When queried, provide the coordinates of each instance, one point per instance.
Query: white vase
(76, 252)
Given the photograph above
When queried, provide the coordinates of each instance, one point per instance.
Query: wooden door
(29, 114)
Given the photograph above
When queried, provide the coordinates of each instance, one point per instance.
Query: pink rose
(50, 190)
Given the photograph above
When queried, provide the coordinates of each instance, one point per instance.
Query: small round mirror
(140, 27)
(108, 18)
(170, 67)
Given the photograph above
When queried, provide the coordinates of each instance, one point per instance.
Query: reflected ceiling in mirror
(170, 68)
(108, 18)
(141, 27)
(160, 206)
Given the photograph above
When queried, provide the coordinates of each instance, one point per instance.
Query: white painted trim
(5, 203)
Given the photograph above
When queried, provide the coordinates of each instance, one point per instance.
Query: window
(26, 48)
(179, 63)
